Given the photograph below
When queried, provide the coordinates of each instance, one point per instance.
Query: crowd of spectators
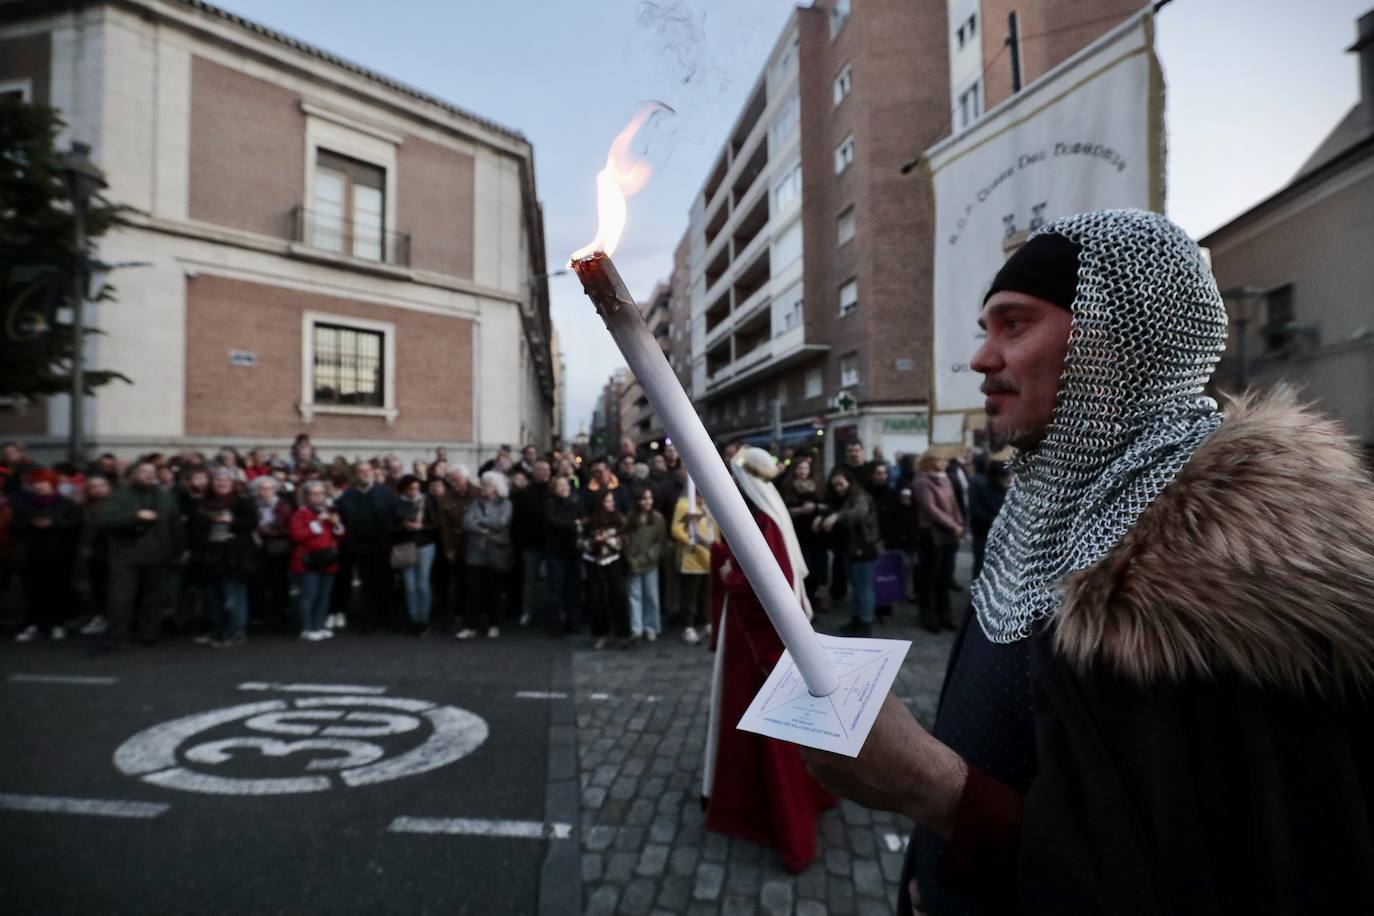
(215, 547)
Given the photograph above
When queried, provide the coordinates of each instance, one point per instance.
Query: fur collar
(1257, 561)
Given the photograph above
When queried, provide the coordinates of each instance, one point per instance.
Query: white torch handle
(727, 505)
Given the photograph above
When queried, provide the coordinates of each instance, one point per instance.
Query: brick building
(328, 251)
(809, 258)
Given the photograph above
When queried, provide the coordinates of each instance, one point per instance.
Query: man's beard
(1023, 440)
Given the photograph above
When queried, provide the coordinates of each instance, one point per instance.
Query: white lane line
(894, 842)
(87, 680)
(100, 807)
(472, 826)
(540, 695)
(313, 688)
(599, 696)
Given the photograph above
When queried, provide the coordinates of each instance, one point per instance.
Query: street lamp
(84, 180)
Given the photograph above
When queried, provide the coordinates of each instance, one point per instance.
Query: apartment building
(810, 250)
(996, 44)
(325, 250)
(639, 421)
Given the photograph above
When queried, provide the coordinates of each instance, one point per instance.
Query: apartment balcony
(336, 239)
(766, 356)
(749, 120)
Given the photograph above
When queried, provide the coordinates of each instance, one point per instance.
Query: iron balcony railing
(349, 238)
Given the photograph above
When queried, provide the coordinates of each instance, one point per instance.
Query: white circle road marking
(152, 754)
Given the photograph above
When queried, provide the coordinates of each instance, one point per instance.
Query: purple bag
(889, 582)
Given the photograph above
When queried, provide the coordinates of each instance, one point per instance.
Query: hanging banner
(1088, 135)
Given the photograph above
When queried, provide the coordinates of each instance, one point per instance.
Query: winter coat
(591, 494)
(223, 549)
(452, 507)
(858, 525)
(487, 525)
(693, 559)
(1201, 700)
(796, 494)
(310, 534)
(275, 536)
(46, 529)
(985, 497)
(527, 516)
(603, 538)
(644, 542)
(367, 517)
(92, 550)
(135, 542)
(561, 527)
(940, 512)
(407, 511)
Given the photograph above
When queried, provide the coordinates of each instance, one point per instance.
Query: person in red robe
(755, 788)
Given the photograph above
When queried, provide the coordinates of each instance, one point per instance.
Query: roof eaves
(307, 48)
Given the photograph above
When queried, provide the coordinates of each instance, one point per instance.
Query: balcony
(716, 180)
(750, 173)
(749, 120)
(717, 358)
(718, 312)
(717, 268)
(754, 278)
(750, 227)
(753, 333)
(329, 234)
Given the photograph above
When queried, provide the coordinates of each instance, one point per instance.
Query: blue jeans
(312, 599)
(644, 615)
(416, 579)
(861, 574)
(230, 609)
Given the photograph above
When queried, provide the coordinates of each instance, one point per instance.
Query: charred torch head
(602, 283)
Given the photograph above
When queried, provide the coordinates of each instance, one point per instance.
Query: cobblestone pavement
(641, 725)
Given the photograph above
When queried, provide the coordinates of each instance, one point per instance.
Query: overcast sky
(1253, 87)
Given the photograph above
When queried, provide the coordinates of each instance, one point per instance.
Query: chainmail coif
(1148, 329)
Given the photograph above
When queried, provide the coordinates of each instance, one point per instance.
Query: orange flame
(621, 178)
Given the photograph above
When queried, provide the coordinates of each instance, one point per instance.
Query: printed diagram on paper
(786, 710)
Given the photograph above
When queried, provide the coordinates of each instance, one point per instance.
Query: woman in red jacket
(315, 535)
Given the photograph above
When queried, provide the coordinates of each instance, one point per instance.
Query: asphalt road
(289, 802)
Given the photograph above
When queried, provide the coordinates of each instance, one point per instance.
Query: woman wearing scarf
(756, 788)
(855, 518)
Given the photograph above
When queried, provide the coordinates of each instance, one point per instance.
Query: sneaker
(465, 633)
(95, 627)
(28, 634)
(310, 635)
(493, 632)
(59, 633)
(204, 639)
(231, 642)
(324, 634)
(690, 636)
(651, 636)
(600, 643)
(524, 621)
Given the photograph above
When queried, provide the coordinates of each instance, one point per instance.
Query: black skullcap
(1045, 267)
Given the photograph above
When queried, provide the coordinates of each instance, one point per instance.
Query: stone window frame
(307, 405)
(343, 135)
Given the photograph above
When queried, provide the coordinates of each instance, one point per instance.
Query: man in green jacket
(145, 537)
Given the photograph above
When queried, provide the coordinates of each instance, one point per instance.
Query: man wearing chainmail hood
(1162, 703)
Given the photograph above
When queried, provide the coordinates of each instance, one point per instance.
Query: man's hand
(901, 768)
(829, 522)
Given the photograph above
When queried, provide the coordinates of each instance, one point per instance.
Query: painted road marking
(599, 696)
(540, 695)
(99, 807)
(894, 842)
(174, 756)
(85, 680)
(313, 688)
(471, 826)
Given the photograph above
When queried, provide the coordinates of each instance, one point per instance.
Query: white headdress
(754, 469)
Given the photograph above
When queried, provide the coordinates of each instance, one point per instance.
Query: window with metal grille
(348, 366)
